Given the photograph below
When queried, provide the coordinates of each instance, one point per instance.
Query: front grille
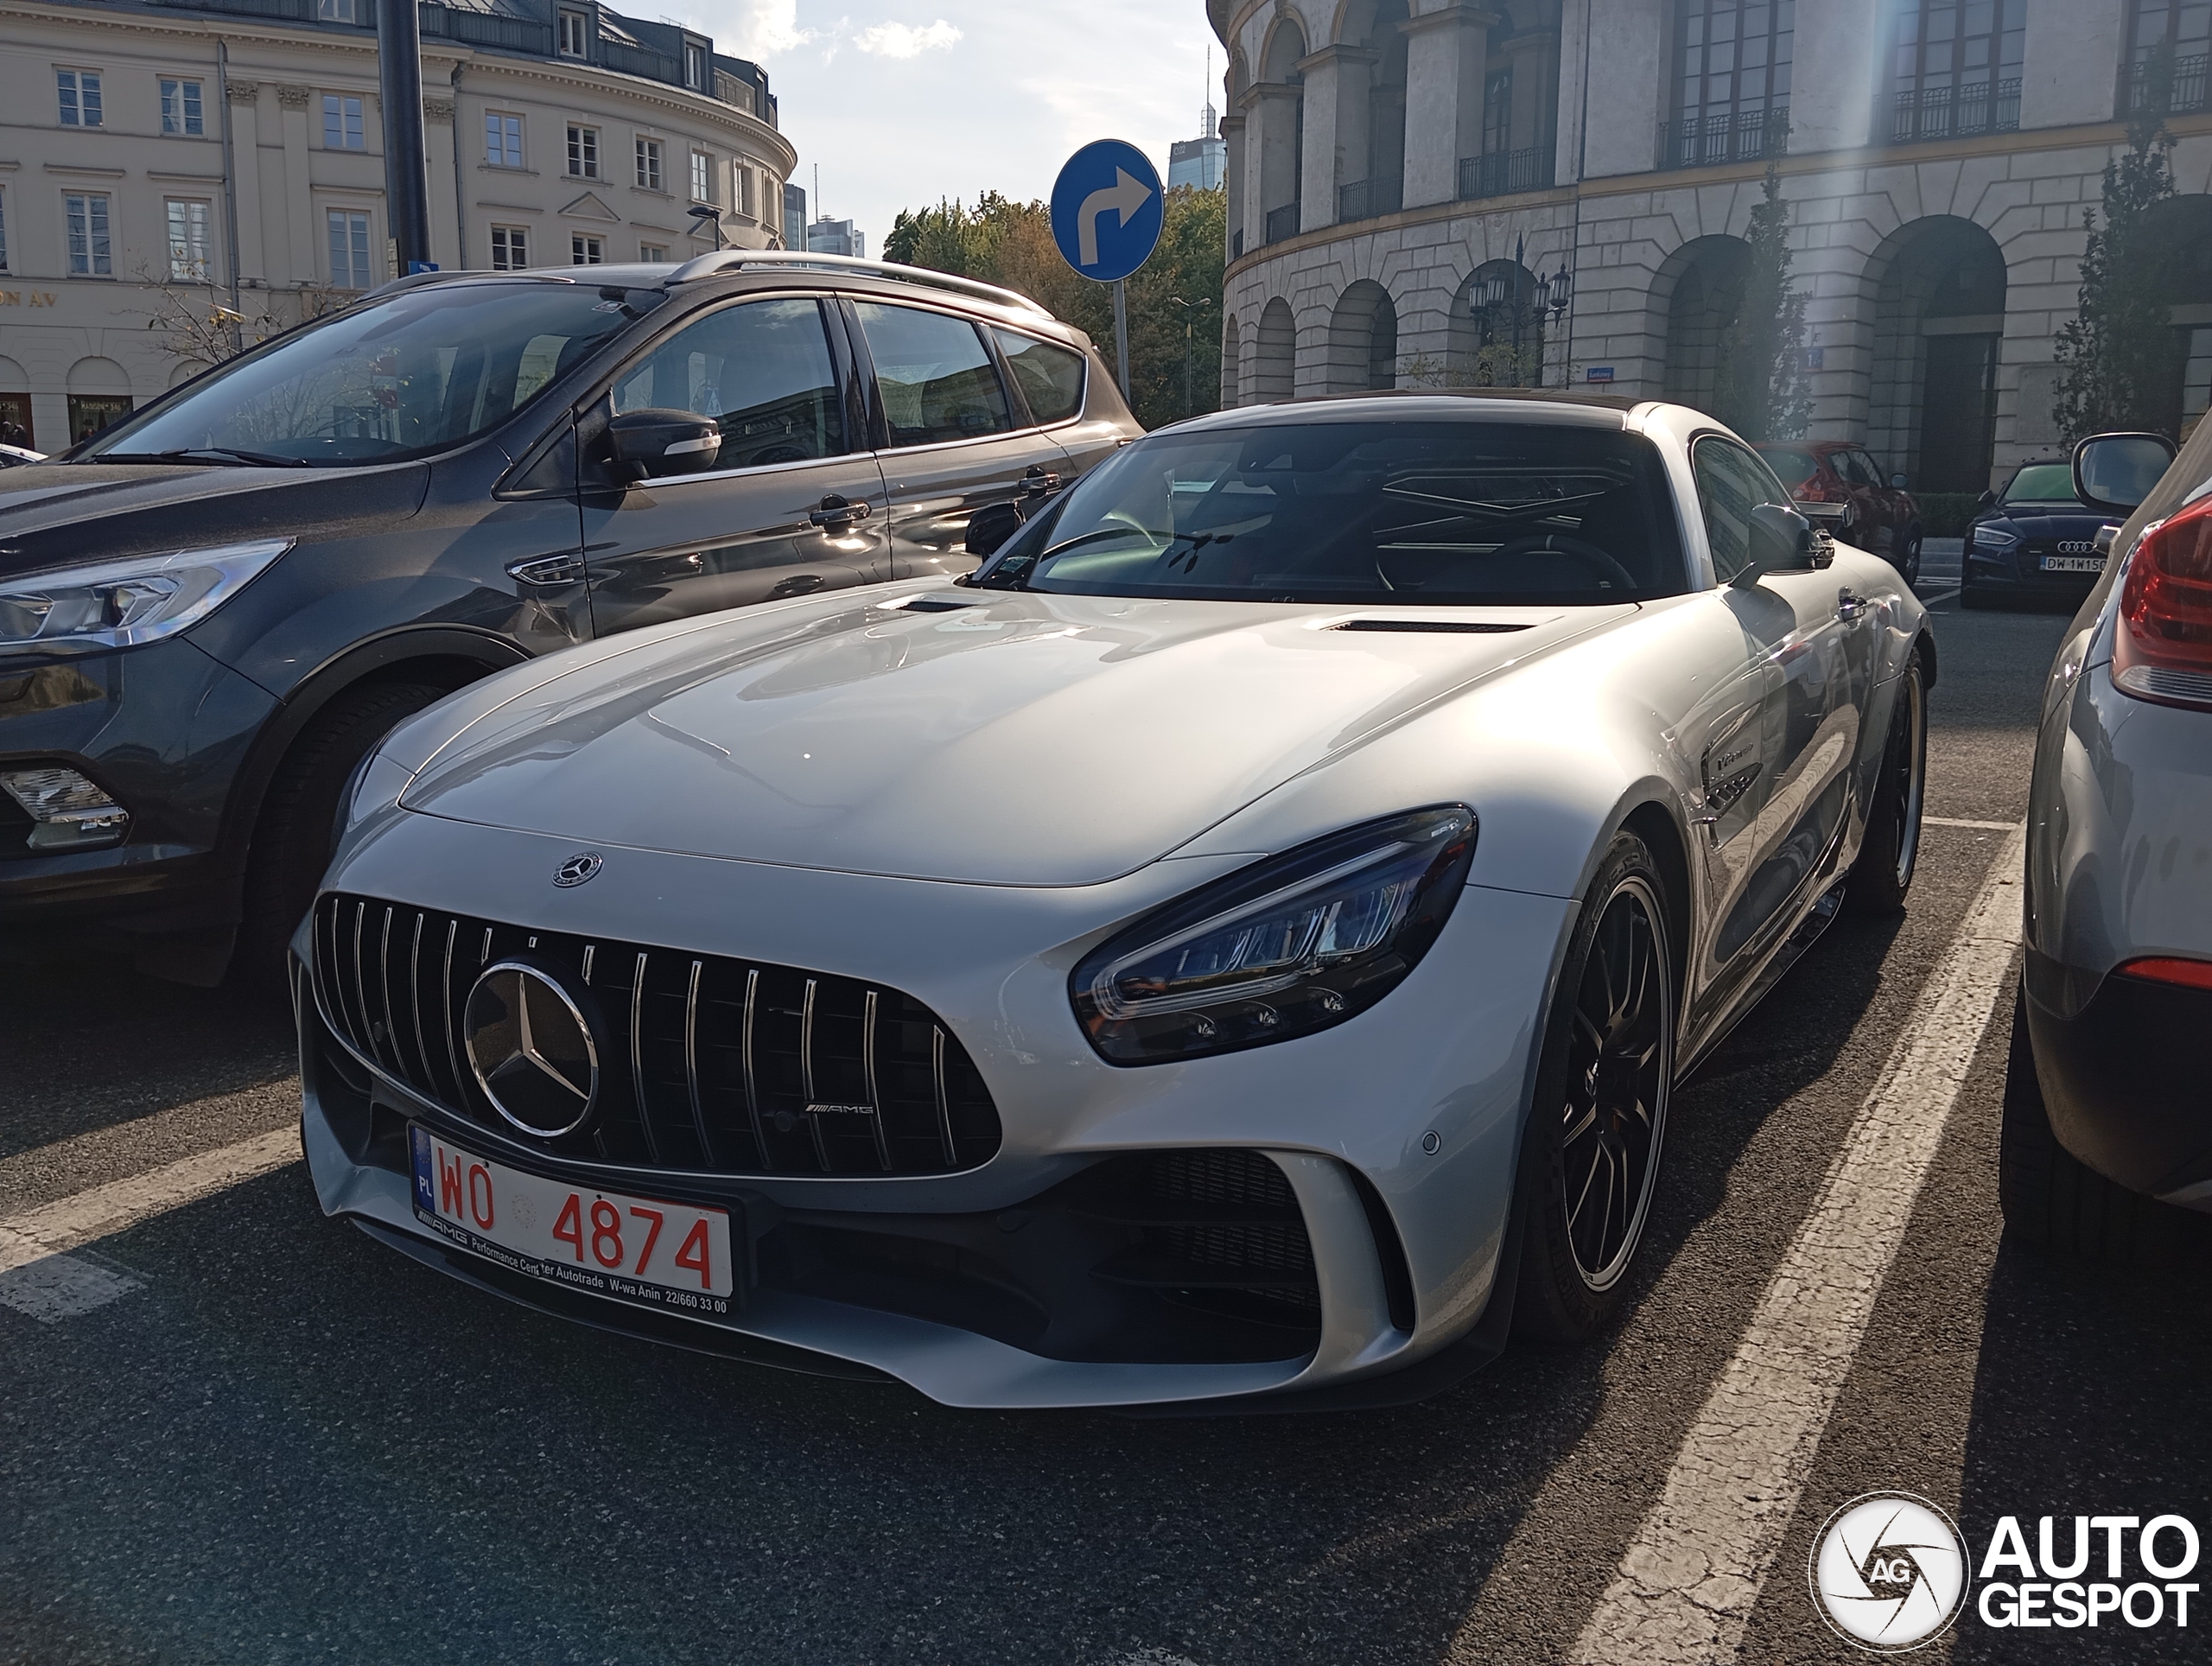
(711, 1064)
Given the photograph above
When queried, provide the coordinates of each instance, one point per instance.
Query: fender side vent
(1430, 627)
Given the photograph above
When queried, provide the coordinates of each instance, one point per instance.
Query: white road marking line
(37, 1278)
(1935, 596)
(1685, 1585)
(1952, 821)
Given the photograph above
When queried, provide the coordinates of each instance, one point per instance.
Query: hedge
(1945, 514)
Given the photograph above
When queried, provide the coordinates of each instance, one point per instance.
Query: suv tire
(292, 840)
(1890, 855)
(1909, 554)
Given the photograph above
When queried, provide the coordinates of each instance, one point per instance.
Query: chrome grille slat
(710, 1034)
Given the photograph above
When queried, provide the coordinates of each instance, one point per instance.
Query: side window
(1730, 481)
(937, 382)
(761, 369)
(1050, 376)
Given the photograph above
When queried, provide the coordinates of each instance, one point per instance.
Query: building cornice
(766, 144)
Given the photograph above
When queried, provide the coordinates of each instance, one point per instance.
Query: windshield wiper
(203, 454)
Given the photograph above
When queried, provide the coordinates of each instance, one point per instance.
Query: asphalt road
(288, 1444)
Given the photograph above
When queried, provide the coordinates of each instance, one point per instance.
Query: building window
(4, 231)
(741, 194)
(79, 91)
(86, 215)
(587, 251)
(583, 152)
(649, 164)
(1731, 81)
(337, 11)
(1955, 69)
(652, 251)
(349, 249)
(181, 115)
(510, 248)
(702, 177)
(342, 123)
(575, 33)
(502, 139)
(187, 221)
(695, 68)
(2184, 27)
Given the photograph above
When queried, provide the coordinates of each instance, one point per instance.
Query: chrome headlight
(1994, 539)
(121, 604)
(1291, 945)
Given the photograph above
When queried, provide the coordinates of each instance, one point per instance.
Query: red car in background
(1881, 517)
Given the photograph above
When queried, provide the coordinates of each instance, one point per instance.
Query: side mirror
(2116, 472)
(991, 526)
(1985, 500)
(649, 444)
(1781, 541)
(1897, 483)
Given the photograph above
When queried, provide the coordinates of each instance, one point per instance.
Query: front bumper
(989, 1288)
(2016, 574)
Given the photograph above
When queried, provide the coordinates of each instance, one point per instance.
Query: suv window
(1731, 483)
(1051, 377)
(939, 382)
(761, 369)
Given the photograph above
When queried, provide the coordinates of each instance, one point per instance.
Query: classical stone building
(1409, 178)
(159, 156)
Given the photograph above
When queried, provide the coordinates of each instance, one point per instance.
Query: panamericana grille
(713, 1065)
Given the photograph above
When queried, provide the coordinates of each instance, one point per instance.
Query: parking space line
(36, 1276)
(1952, 821)
(1685, 1585)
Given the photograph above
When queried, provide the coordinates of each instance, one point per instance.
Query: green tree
(2116, 355)
(1008, 243)
(1760, 386)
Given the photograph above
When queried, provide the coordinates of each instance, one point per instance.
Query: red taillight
(2162, 647)
(2167, 968)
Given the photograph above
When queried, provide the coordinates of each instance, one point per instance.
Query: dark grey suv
(211, 610)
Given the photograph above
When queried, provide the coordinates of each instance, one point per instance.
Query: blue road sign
(1106, 210)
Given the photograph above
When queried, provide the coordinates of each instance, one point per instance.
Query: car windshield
(1444, 513)
(2042, 483)
(421, 372)
(1791, 467)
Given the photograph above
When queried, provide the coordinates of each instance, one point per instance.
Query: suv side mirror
(649, 444)
(1897, 482)
(991, 526)
(1781, 541)
(2115, 472)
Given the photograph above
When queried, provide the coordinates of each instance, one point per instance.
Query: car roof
(1401, 404)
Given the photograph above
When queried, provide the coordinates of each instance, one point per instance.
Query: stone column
(1231, 129)
(2069, 72)
(1628, 70)
(1443, 97)
(1272, 164)
(1336, 128)
(439, 138)
(245, 157)
(299, 239)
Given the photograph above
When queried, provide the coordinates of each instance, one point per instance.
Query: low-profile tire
(1590, 1152)
(1909, 554)
(1891, 853)
(2054, 1202)
(292, 839)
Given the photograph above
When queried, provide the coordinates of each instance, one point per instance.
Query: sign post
(1108, 209)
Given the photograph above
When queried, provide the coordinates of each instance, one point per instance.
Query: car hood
(1019, 739)
(2032, 524)
(54, 514)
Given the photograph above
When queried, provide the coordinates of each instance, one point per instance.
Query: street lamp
(1511, 301)
(708, 215)
(1188, 306)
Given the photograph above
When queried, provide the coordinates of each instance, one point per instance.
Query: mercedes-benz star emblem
(531, 1048)
(578, 869)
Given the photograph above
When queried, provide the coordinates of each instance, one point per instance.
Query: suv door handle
(837, 512)
(1847, 606)
(1039, 483)
(547, 570)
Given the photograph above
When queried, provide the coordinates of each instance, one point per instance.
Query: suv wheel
(292, 841)
(1883, 873)
(1909, 554)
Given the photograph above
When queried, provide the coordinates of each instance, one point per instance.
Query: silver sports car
(1235, 947)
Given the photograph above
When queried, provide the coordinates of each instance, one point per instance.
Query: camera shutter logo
(578, 869)
(1889, 1571)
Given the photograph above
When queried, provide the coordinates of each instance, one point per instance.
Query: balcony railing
(1282, 222)
(1950, 113)
(2184, 91)
(1364, 199)
(1729, 135)
(1503, 171)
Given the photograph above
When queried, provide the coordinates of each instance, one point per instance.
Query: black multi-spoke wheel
(1883, 874)
(1591, 1154)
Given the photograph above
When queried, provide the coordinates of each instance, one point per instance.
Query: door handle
(1847, 606)
(547, 570)
(837, 512)
(799, 584)
(1039, 483)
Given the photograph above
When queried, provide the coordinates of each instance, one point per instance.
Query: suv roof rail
(731, 260)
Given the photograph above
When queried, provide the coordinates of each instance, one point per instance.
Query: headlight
(120, 604)
(1991, 537)
(1291, 945)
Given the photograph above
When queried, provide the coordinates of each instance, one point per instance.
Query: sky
(901, 104)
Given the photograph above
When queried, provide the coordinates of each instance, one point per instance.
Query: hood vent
(1438, 626)
(926, 604)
